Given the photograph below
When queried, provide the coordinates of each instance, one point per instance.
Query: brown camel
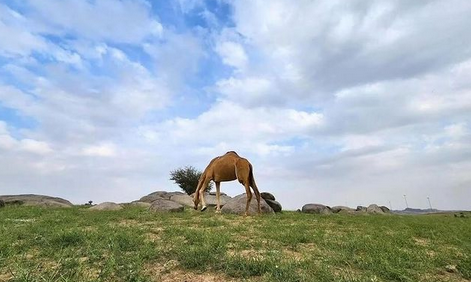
(228, 167)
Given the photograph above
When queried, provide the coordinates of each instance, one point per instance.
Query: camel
(227, 167)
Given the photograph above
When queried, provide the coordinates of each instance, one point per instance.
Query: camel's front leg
(218, 194)
(202, 190)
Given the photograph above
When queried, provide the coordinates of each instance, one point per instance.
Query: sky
(333, 102)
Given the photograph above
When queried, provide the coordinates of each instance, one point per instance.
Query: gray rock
(373, 208)
(274, 205)
(2, 203)
(237, 205)
(211, 200)
(182, 199)
(214, 193)
(35, 200)
(140, 204)
(106, 206)
(316, 208)
(385, 209)
(342, 209)
(361, 209)
(163, 205)
(267, 196)
(159, 195)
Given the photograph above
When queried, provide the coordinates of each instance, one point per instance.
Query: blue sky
(334, 102)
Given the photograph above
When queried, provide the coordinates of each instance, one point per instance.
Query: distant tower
(405, 199)
(429, 204)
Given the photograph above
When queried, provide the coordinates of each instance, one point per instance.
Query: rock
(451, 268)
(35, 200)
(342, 209)
(361, 209)
(183, 200)
(316, 208)
(267, 196)
(214, 193)
(211, 200)
(385, 209)
(237, 204)
(159, 195)
(2, 203)
(163, 205)
(274, 205)
(140, 204)
(373, 208)
(106, 206)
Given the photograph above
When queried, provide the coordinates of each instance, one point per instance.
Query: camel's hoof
(218, 211)
(203, 208)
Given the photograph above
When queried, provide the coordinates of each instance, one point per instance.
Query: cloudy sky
(333, 102)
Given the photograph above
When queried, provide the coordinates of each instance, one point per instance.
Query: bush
(187, 178)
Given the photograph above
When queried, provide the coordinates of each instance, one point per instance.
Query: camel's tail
(253, 184)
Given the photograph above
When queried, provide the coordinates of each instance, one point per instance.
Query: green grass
(39, 244)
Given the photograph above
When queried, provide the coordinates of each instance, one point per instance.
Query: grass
(39, 244)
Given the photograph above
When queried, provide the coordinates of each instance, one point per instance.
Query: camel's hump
(232, 152)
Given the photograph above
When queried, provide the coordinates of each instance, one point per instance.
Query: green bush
(187, 178)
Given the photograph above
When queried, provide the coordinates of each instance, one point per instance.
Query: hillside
(133, 244)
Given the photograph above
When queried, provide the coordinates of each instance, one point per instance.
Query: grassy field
(39, 244)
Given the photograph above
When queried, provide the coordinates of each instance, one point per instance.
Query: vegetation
(187, 178)
(75, 244)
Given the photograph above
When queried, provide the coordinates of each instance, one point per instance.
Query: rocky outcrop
(140, 204)
(237, 205)
(159, 195)
(316, 209)
(373, 208)
(267, 196)
(35, 200)
(361, 209)
(163, 205)
(183, 200)
(276, 206)
(385, 209)
(107, 206)
(342, 209)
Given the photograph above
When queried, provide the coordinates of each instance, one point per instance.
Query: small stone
(451, 268)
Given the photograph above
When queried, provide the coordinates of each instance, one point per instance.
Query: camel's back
(223, 167)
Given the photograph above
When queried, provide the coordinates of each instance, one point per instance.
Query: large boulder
(237, 205)
(35, 200)
(159, 195)
(140, 204)
(385, 209)
(163, 205)
(342, 209)
(373, 208)
(211, 200)
(274, 205)
(183, 200)
(316, 208)
(361, 209)
(107, 206)
(267, 196)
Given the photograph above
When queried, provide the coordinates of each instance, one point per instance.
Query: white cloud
(103, 150)
(85, 19)
(232, 54)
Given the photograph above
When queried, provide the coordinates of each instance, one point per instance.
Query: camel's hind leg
(249, 198)
(243, 175)
(218, 195)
